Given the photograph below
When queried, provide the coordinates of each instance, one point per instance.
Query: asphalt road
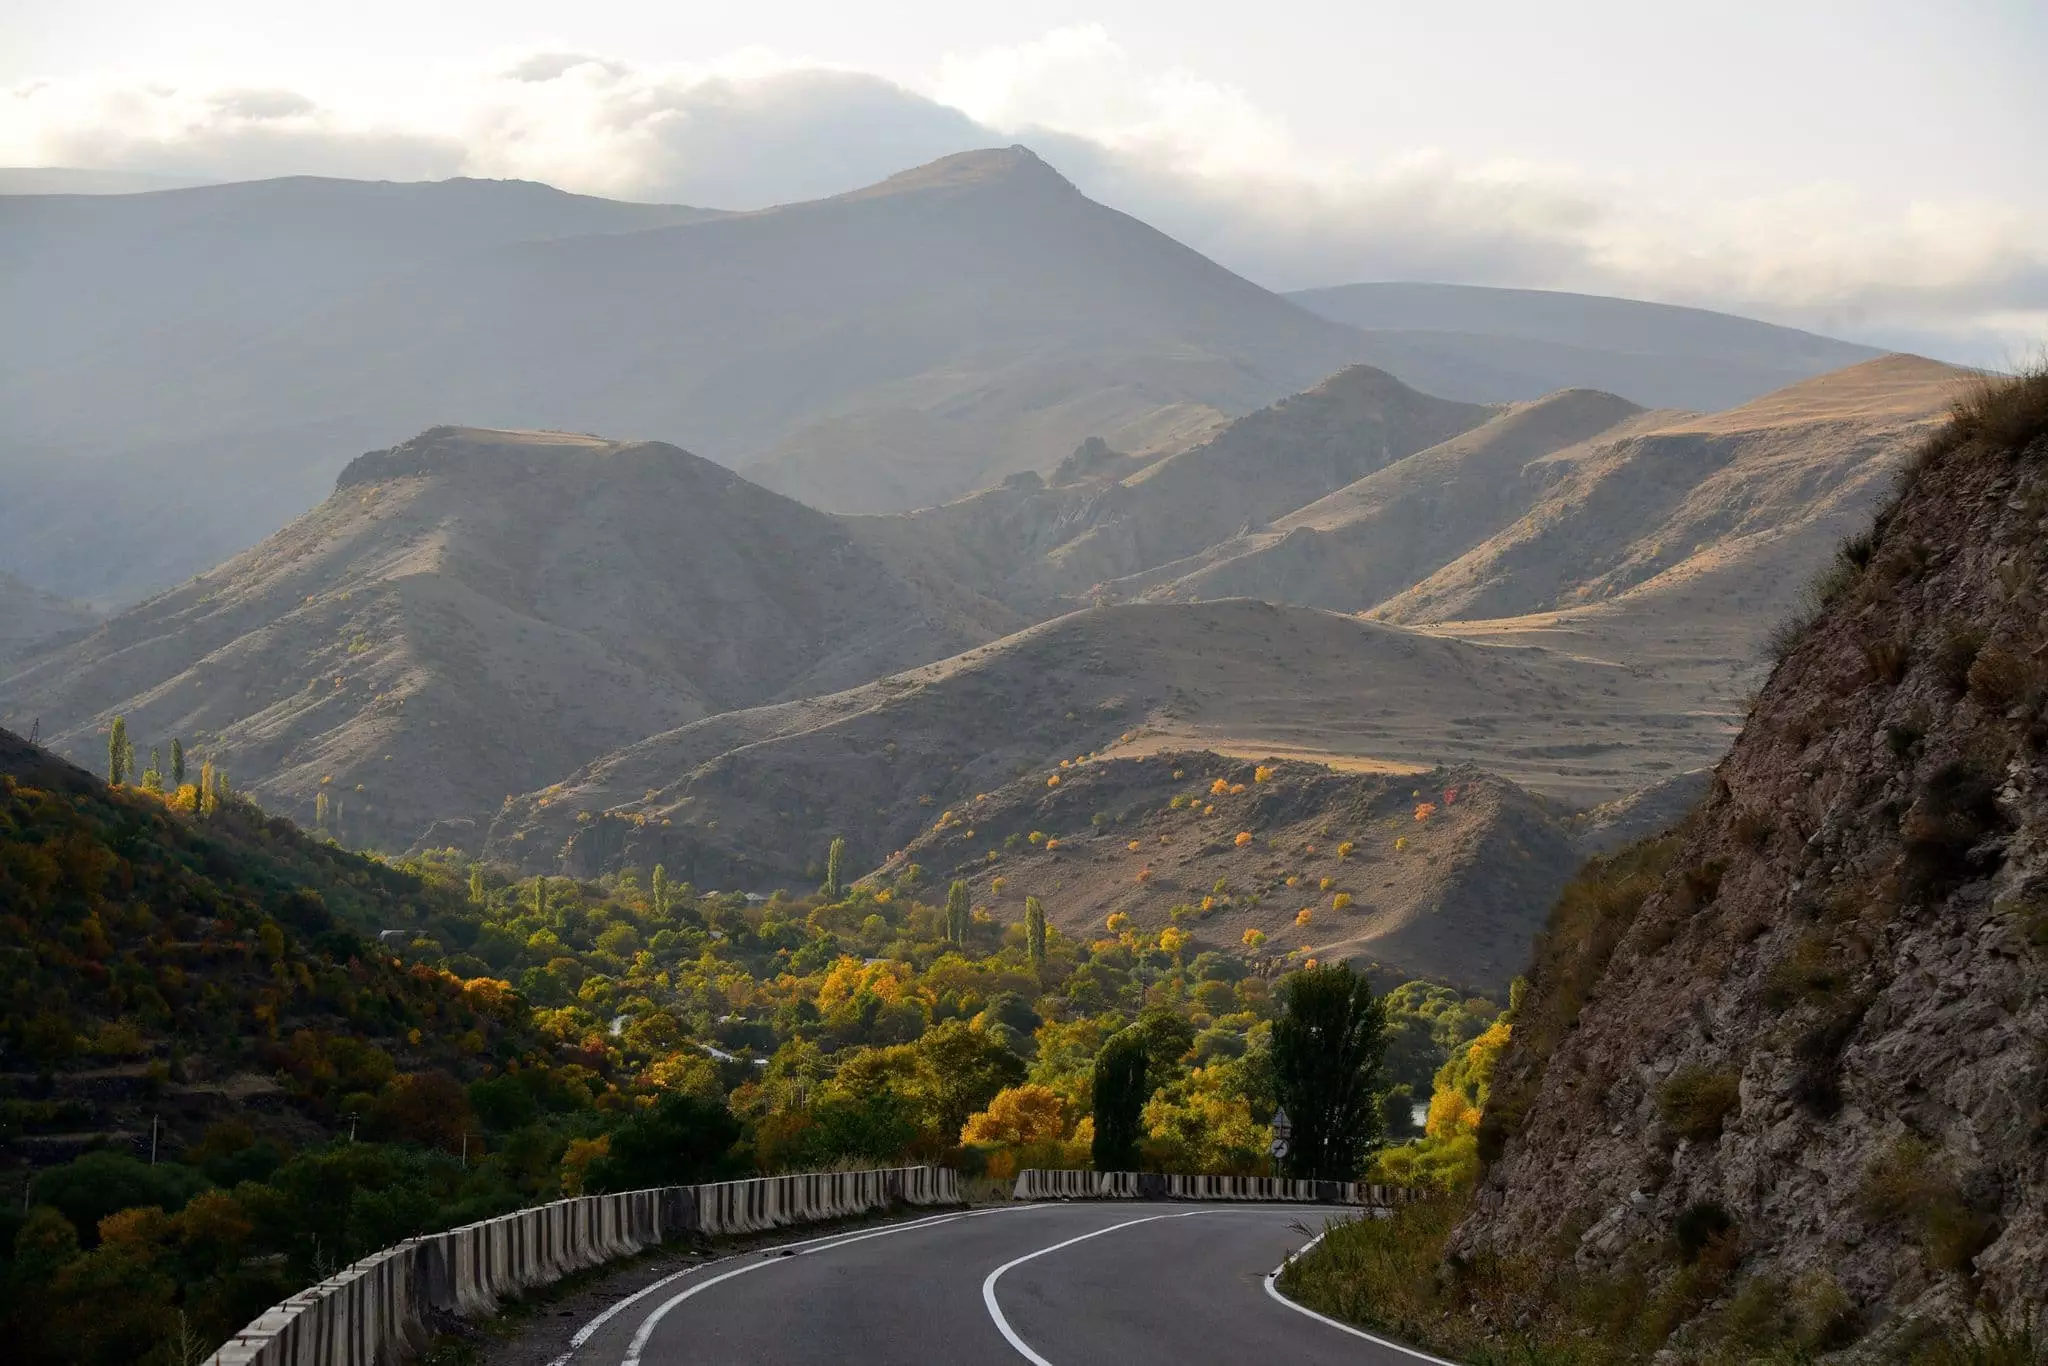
(1053, 1285)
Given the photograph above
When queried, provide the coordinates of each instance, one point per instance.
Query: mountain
(1105, 515)
(879, 350)
(1378, 535)
(1453, 896)
(1802, 1034)
(1474, 342)
(31, 619)
(752, 798)
(474, 613)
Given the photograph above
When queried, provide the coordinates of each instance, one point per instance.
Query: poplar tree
(153, 776)
(476, 884)
(540, 895)
(117, 752)
(209, 792)
(1328, 1046)
(956, 912)
(1118, 1096)
(835, 864)
(1034, 932)
(660, 883)
(177, 763)
(320, 810)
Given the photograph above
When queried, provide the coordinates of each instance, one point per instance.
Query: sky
(1871, 168)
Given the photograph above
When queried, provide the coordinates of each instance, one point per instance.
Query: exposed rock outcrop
(1826, 1027)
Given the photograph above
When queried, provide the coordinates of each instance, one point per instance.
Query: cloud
(1195, 157)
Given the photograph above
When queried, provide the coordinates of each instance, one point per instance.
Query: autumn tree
(835, 867)
(117, 751)
(1118, 1095)
(956, 912)
(1034, 931)
(1328, 1045)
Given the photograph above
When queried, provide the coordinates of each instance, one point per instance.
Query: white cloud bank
(1195, 157)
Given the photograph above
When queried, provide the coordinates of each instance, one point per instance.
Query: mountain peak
(988, 166)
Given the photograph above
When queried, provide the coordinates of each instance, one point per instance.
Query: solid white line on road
(589, 1330)
(808, 1247)
(988, 1287)
(1273, 1289)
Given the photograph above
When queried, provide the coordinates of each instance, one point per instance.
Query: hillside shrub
(1696, 1101)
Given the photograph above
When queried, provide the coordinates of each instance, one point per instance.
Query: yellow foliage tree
(1254, 938)
(1262, 774)
(1118, 922)
(1303, 916)
(1219, 787)
(1340, 901)
(1244, 837)
(1344, 849)
(1019, 1114)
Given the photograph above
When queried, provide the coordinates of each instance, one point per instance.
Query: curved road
(1051, 1285)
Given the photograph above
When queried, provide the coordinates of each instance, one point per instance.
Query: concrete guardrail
(374, 1312)
(1036, 1184)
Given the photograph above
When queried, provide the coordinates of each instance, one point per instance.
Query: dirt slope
(1369, 540)
(1823, 1025)
(1454, 896)
(1755, 491)
(752, 798)
(473, 613)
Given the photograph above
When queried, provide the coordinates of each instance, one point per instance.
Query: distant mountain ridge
(1475, 341)
(184, 370)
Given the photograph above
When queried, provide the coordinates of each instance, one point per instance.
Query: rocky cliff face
(1813, 1030)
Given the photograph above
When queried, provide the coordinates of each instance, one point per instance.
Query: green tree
(835, 867)
(1034, 931)
(1327, 1048)
(476, 884)
(177, 763)
(680, 1140)
(659, 882)
(320, 810)
(540, 895)
(956, 912)
(959, 1071)
(117, 751)
(153, 776)
(1118, 1096)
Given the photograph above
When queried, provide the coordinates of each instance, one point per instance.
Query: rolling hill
(1475, 342)
(474, 613)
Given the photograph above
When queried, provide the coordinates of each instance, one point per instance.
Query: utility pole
(152, 1140)
(352, 1127)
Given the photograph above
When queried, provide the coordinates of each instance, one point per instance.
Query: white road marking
(988, 1287)
(807, 1248)
(1273, 1289)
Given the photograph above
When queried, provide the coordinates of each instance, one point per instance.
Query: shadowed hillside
(474, 613)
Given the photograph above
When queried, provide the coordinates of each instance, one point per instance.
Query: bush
(89, 1188)
(1699, 1226)
(1696, 1101)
